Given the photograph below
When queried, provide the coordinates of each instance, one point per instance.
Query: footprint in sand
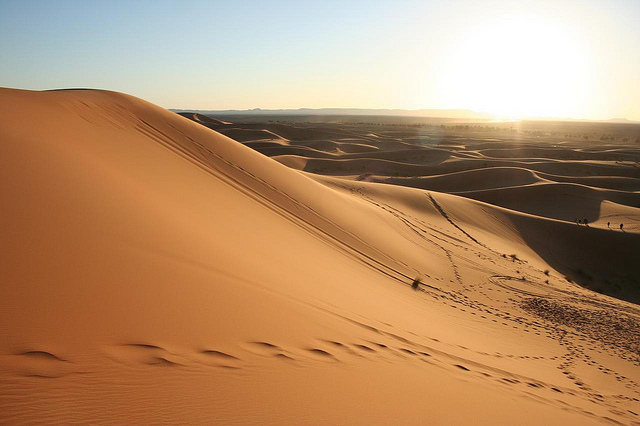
(322, 354)
(143, 354)
(41, 355)
(219, 359)
(42, 364)
(219, 354)
(364, 348)
(269, 350)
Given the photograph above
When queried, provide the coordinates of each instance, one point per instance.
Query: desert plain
(163, 267)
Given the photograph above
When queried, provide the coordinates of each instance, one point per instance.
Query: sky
(568, 59)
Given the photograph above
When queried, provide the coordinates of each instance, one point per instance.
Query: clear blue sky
(562, 58)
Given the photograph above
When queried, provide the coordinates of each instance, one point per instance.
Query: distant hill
(584, 120)
(457, 114)
(435, 113)
(622, 121)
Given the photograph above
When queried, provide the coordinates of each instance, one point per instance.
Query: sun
(519, 67)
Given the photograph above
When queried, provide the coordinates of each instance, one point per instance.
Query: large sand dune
(154, 270)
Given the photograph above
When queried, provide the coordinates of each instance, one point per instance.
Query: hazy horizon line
(473, 114)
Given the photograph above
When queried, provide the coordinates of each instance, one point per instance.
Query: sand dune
(471, 180)
(204, 120)
(555, 152)
(242, 135)
(629, 184)
(560, 201)
(157, 271)
(454, 162)
(562, 180)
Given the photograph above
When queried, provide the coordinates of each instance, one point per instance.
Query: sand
(155, 270)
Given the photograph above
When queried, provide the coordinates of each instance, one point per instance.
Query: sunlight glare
(518, 67)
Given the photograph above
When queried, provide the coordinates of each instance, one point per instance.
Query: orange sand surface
(154, 270)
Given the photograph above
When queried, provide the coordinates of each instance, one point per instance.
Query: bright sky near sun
(578, 59)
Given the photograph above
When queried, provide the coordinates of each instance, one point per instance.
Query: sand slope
(156, 271)
(566, 180)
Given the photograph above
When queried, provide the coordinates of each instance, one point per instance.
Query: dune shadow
(597, 259)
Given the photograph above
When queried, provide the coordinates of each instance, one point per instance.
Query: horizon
(490, 117)
(515, 60)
